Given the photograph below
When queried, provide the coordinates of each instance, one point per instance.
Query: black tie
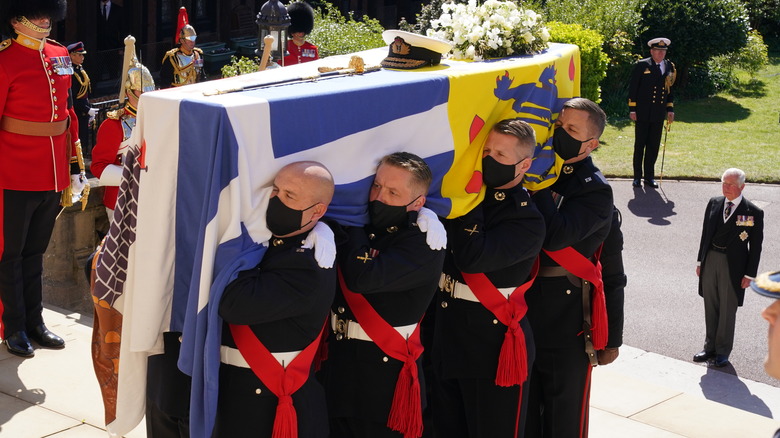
(727, 213)
(104, 12)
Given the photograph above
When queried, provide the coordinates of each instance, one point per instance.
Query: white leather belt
(462, 291)
(348, 329)
(232, 356)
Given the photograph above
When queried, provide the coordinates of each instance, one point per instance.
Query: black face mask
(566, 146)
(283, 220)
(385, 216)
(495, 174)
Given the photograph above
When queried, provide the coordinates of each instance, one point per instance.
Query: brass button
(584, 282)
(385, 359)
(500, 196)
(568, 291)
(495, 322)
(443, 304)
(339, 337)
(341, 309)
(54, 98)
(371, 236)
(180, 339)
(55, 116)
(52, 80)
(53, 90)
(258, 391)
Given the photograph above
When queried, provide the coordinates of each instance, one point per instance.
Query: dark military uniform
(501, 237)
(80, 88)
(285, 301)
(614, 277)
(396, 271)
(650, 98)
(559, 383)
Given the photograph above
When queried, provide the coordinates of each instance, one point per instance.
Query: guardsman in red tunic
(114, 133)
(301, 24)
(38, 134)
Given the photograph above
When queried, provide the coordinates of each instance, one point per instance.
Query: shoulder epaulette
(6, 43)
(54, 42)
(198, 49)
(116, 114)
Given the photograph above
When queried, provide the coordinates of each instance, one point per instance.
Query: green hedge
(593, 59)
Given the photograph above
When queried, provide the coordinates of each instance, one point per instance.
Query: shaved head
(314, 177)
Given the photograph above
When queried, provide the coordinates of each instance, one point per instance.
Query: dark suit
(648, 97)
(111, 33)
(727, 252)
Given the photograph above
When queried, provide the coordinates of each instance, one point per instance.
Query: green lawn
(739, 128)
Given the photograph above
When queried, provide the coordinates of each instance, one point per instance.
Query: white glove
(321, 239)
(429, 223)
(77, 183)
(92, 113)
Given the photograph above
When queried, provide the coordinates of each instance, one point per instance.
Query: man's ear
(418, 204)
(525, 164)
(319, 211)
(595, 144)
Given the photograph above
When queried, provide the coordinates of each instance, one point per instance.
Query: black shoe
(636, 183)
(651, 183)
(19, 344)
(703, 356)
(721, 360)
(45, 338)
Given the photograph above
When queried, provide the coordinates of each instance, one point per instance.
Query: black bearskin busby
(301, 18)
(54, 9)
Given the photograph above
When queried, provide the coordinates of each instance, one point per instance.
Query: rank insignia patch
(743, 235)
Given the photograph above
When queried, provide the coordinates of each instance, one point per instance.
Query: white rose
(528, 37)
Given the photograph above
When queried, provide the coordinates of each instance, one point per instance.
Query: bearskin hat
(54, 9)
(301, 18)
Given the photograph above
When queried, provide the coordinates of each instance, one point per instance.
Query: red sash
(282, 381)
(406, 411)
(583, 268)
(513, 359)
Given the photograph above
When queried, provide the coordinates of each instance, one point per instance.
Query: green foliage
(592, 58)
(610, 18)
(698, 29)
(619, 22)
(764, 16)
(336, 34)
(240, 66)
(430, 11)
(752, 58)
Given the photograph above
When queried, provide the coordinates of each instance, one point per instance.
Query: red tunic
(305, 53)
(32, 90)
(105, 152)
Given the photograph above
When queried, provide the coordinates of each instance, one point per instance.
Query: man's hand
(77, 183)
(607, 355)
(670, 117)
(429, 223)
(321, 239)
(632, 115)
(698, 271)
(745, 282)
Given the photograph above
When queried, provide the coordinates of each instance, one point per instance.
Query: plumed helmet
(187, 31)
(135, 75)
(301, 18)
(54, 9)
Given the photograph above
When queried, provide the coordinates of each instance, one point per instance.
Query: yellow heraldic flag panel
(484, 93)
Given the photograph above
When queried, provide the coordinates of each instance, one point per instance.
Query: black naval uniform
(649, 98)
(80, 88)
(559, 383)
(500, 237)
(399, 282)
(285, 301)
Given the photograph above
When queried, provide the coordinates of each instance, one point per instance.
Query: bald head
(314, 177)
(305, 186)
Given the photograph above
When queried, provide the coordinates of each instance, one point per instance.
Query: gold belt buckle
(449, 285)
(342, 325)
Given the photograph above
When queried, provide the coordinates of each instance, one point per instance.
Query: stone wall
(76, 235)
